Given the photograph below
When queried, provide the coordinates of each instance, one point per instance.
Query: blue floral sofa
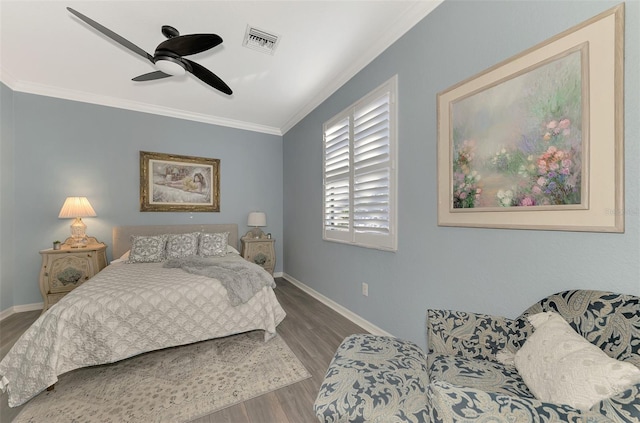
(468, 376)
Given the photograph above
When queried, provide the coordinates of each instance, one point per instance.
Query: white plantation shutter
(336, 171)
(371, 161)
(359, 172)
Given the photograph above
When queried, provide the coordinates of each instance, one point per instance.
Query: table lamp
(257, 220)
(77, 207)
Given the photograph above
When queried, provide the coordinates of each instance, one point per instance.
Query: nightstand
(260, 251)
(67, 268)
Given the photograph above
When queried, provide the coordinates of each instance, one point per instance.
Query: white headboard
(122, 234)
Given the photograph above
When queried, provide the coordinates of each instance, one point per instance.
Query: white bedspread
(125, 310)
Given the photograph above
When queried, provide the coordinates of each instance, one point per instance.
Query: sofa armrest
(471, 335)
(451, 404)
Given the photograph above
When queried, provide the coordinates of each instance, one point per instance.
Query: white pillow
(560, 366)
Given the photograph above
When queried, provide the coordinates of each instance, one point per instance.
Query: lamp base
(78, 233)
(257, 232)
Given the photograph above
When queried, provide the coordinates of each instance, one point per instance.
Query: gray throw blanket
(241, 278)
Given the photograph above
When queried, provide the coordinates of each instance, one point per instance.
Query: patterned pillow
(147, 249)
(558, 365)
(182, 245)
(213, 244)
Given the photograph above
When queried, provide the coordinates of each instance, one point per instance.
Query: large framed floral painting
(536, 142)
(173, 183)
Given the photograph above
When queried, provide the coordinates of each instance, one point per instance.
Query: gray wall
(7, 252)
(494, 271)
(63, 148)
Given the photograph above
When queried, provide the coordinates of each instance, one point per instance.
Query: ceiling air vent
(260, 40)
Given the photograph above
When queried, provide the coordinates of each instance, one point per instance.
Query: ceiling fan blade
(208, 77)
(184, 45)
(151, 76)
(115, 37)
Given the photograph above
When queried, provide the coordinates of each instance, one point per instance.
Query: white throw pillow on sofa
(560, 366)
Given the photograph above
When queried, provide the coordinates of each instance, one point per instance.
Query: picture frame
(536, 141)
(175, 183)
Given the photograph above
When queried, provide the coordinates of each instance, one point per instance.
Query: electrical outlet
(365, 289)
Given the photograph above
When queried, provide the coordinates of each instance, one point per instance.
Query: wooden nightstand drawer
(68, 271)
(65, 269)
(260, 251)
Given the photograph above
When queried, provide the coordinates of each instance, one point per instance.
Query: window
(360, 146)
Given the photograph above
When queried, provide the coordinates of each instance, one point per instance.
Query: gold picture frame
(174, 183)
(536, 141)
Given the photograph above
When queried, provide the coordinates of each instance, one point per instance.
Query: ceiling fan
(168, 57)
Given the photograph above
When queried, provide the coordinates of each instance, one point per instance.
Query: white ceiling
(46, 50)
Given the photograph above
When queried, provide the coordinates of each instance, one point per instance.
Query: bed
(134, 307)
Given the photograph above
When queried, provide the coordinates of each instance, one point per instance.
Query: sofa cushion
(486, 375)
(449, 403)
(374, 379)
(467, 334)
(561, 366)
(621, 408)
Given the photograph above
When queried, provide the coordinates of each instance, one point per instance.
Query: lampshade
(257, 219)
(77, 207)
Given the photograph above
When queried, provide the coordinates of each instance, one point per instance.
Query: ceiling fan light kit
(168, 57)
(170, 65)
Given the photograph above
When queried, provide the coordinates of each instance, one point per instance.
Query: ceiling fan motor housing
(169, 31)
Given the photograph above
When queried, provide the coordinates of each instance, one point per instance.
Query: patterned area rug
(171, 385)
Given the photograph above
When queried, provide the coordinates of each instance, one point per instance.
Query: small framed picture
(269, 235)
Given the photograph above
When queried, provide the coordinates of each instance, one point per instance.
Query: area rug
(172, 385)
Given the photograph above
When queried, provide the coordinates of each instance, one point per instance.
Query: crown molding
(7, 79)
(48, 91)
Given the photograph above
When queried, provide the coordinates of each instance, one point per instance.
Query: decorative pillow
(147, 249)
(560, 366)
(213, 244)
(182, 245)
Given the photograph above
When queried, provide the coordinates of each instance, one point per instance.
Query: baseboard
(365, 324)
(19, 309)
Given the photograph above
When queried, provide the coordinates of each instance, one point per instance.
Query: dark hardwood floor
(312, 330)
